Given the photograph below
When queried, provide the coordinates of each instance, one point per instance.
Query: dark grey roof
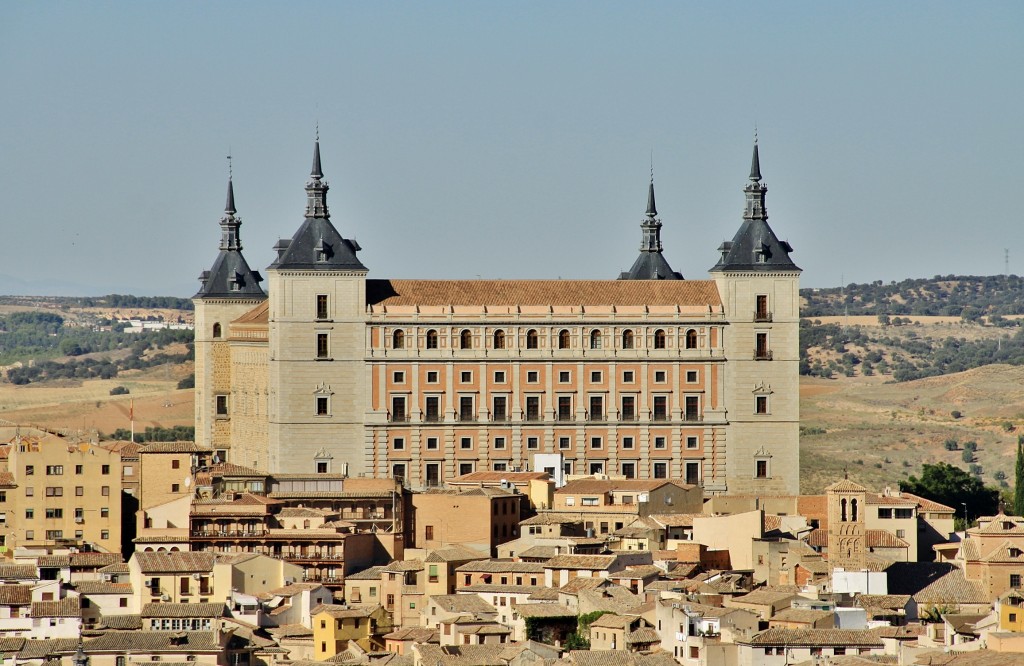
(651, 264)
(230, 276)
(317, 245)
(755, 247)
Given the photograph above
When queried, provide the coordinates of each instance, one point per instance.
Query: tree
(953, 486)
(1018, 482)
(950, 444)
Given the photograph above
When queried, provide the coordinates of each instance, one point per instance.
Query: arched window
(627, 339)
(595, 339)
(563, 339)
(853, 510)
(691, 339)
(431, 339)
(216, 330)
(532, 339)
(499, 339)
(466, 339)
(398, 339)
(659, 339)
(842, 506)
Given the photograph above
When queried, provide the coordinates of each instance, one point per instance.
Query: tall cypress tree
(1018, 487)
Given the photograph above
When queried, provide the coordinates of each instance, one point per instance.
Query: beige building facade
(651, 376)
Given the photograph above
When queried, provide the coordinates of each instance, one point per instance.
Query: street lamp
(965, 515)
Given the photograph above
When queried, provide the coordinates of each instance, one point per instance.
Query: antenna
(1006, 261)
(230, 174)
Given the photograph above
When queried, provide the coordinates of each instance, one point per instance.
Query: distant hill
(966, 296)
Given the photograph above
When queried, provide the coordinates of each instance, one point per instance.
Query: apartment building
(60, 494)
(646, 376)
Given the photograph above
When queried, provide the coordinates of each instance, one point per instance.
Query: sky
(507, 139)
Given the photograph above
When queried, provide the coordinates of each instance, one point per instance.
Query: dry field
(881, 433)
(87, 406)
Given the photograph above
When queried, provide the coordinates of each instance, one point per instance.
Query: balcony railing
(431, 418)
(229, 534)
(762, 354)
(399, 418)
(693, 417)
(762, 316)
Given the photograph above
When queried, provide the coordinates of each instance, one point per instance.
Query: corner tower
(760, 289)
(316, 329)
(229, 289)
(651, 264)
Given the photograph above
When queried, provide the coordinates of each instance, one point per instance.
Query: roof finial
(318, 171)
(229, 163)
(755, 162)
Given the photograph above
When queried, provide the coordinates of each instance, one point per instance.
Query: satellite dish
(188, 481)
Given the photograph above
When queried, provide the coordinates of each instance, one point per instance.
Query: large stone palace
(647, 376)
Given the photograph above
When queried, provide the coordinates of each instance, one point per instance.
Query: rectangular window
(175, 488)
(691, 411)
(54, 470)
(54, 534)
(563, 442)
(428, 532)
(322, 405)
(321, 306)
(499, 467)
(692, 442)
(79, 469)
(128, 470)
(54, 491)
(398, 472)
(432, 376)
(564, 377)
(884, 513)
(79, 491)
(466, 442)
(595, 376)
(55, 513)
(499, 377)
(661, 470)
(596, 408)
(761, 351)
(901, 534)
(627, 442)
(398, 413)
(322, 347)
(499, 442)
(432, 443)
(691, 376)
(222, 405)
(761, 312)
(565, 408)
(659, 377)
(175, 464)
(105, 469)
(30, 514)
(465, 468)
(500, 412)
(105, 491)
(533, 408)
(322, 468)
(627, 376)
(466, 377)
(693, 473)
(532, 443)
(433, 409)
(659, 442)
(903, 514)
(661, 408)
(399, 443)
(398, 377)
(588, 501)
(532, 377)
(1015, 581)
(761, 469)
(628, 412)
(30, 470)
(761, 404)
(466, 408)
(30, 491)
(596, 443)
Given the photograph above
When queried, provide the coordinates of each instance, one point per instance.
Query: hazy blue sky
(508, 139)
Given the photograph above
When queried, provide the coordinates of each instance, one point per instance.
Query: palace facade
(646, 376)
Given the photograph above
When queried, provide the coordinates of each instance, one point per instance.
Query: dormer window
(1015, 552)
(762, 253)
(322, 250)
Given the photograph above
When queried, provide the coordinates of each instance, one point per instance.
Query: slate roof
(316, 235)
(230, 276)
(542, 292)
(180, 562)
(651, 264)
(755, 247)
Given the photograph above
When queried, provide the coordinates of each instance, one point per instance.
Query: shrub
(188, 382)
(971, 446)
(967, 456)
(951, 444)
(956, 413)
(119, 390)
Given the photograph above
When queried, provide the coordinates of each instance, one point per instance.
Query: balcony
(399, 418)
(762, 354)
(692, 417)
(431, 418)
(762, 316)
(230, 534)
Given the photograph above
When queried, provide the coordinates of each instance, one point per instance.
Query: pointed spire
(229, 207)
(755, 164)
(652, 210)
(318, 171)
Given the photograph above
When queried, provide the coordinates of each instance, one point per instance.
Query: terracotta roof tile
(102, 587)
(15, 595)
(542, 292)
(66, 607)
(501, 566)
(847, 486)
(18, 572)
(595, 562)
(215, 609)
(462, 603)
(180, 562)
(171, 447)
(816, 638)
